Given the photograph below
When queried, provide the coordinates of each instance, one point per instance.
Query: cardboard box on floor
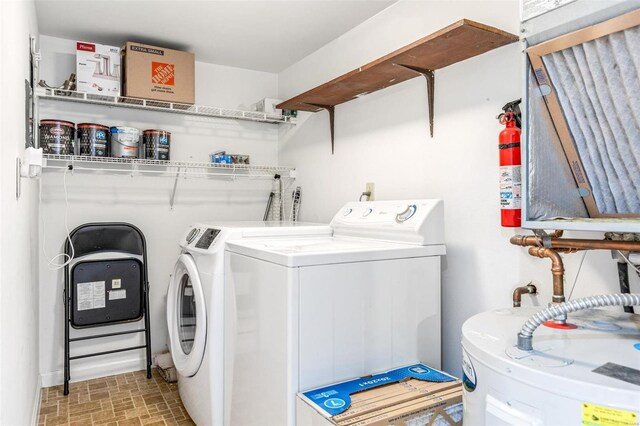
(151, 72)
(394, 398)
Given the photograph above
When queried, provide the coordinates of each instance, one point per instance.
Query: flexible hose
(525, 336)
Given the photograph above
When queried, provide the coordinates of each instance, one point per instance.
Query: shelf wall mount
(461, 40)
(430, 76)
(332, 115)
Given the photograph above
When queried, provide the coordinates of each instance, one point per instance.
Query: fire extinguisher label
(510, 187)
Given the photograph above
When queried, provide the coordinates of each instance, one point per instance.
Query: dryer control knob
(347, 212)
(192, 235)
(367, 212)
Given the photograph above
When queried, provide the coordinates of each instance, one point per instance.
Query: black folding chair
(106, 283)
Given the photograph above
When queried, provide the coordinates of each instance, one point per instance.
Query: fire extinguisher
(510, 181)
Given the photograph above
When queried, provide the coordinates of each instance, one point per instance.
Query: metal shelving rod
(173, 168)
(151, 105)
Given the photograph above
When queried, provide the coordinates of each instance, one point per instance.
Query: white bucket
(125, 142)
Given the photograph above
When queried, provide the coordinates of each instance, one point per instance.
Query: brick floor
(122, 400)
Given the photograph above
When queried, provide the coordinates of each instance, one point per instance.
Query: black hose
(623, 277)
(269, 202)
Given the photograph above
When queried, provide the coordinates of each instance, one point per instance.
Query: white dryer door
(186, 317)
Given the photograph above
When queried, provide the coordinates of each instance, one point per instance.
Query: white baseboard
(94, 371)
(36, 403)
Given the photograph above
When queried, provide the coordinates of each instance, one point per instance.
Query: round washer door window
(187, 314)
(186, 317)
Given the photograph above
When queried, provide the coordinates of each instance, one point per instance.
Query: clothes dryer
(195, 308)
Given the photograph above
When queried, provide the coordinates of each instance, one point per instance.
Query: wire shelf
(151, 105)
(160, 167)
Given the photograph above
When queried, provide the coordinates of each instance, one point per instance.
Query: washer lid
(293, 252)
(186, 317)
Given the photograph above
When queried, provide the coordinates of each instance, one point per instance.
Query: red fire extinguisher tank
(510, 177)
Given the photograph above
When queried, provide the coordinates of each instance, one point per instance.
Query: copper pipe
(519, 291)
(575, 244)
(595, 244)
(557, 269)
(525, 240)
(550, 246)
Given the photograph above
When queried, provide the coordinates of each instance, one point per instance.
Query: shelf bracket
(173, 192)
(331, 110)
(430, 76)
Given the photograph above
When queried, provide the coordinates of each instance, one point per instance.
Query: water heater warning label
(598, 415)
(469, 380)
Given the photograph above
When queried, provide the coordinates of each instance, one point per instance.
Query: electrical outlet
(370, 187)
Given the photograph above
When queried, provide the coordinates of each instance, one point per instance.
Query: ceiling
(259, 35)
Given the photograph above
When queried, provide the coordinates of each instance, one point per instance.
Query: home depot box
(97, 68)
(152, 72)
(416, 395)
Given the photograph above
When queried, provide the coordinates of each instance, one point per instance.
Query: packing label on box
(335, 399)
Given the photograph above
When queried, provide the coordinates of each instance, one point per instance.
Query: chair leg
(147, 333)
(67, 373)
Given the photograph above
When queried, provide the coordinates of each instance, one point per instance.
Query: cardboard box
(157, 73)
(415, 395)
(98, 68)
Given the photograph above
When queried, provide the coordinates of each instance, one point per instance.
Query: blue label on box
(335, 399)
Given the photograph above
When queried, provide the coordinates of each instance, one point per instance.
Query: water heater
(589, 375)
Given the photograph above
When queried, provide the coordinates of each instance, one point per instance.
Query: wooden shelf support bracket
(331, 110)
(430, 76)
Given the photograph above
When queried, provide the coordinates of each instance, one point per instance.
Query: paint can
(157, 144)
(93, 139)
(57, 137)
(124, 142)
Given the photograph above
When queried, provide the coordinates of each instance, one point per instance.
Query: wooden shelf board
(457, 42)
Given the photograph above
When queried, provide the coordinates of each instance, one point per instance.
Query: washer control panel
(200, 236)
(404, 221)
(207, 238)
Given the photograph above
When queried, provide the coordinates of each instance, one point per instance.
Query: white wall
(144, 201)
(19, 386)
(383, 138)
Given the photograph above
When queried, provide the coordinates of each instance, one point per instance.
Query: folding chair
(106, 283)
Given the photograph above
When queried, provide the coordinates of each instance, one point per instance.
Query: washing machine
(587, 375)
(195, 309)
(307, 311)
